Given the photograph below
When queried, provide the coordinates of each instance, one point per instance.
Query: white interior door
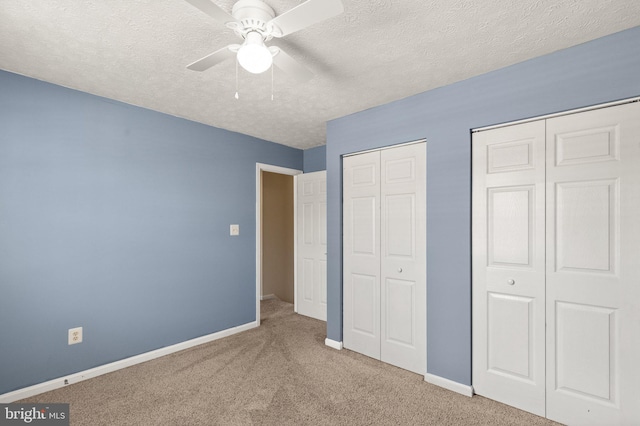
(509, 265)
(556, 243)
(361, 253)
(384, 247)
(403, 294)
(311, 275)
(593, 266)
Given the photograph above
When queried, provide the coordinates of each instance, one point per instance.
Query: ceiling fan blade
(305, 15)
(212, 10)
(212, 59)
(290, 66)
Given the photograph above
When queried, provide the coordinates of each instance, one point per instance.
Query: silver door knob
(511, 281)
(399, 269)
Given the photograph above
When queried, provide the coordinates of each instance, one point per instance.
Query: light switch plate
(234, 230)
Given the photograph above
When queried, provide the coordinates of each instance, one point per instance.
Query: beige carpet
(278, 374)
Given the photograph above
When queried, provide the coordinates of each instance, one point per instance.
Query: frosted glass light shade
(253, 55)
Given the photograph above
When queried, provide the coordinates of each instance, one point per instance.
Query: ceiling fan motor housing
(256, 22)
(253, 16)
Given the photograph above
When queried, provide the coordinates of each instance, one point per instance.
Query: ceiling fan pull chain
(271, 81)
(237, 97)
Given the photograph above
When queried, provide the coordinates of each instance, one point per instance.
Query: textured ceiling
(377, 51)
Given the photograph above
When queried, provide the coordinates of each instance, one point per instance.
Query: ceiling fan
(256, 23)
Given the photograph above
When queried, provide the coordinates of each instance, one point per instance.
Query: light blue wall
(116, 219)
(315, 159)
(603, 70)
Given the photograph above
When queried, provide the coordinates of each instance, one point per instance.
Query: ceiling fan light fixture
(253, 55)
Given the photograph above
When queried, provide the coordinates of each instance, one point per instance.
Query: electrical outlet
(234, 230)
(75, 335)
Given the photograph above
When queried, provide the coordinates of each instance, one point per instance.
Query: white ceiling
(377, 51)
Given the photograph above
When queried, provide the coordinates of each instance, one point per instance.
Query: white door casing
(260, 167)
(508, 265)
(311, 274)
(593, 266)
(590, 250)
(384, 246)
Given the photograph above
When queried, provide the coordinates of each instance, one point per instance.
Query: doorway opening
(275, 234)
(277, 237)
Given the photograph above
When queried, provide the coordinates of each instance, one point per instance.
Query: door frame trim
(417, 141)
(558, 114)
(262, 167)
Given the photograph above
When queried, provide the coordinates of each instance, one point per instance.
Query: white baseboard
(465, 390)
(117, 365)
(333, 344)
(268, 297)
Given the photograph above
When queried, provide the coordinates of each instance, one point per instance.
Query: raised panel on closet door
(403, 257)
(361, 253)
(508, 265)
(593, 277)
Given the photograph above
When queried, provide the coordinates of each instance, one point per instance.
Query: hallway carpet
(280, 373)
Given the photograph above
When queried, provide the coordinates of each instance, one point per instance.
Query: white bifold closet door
(384, 248)
(311, 274)
(508, 261)
(593, 267)
(556, 270)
